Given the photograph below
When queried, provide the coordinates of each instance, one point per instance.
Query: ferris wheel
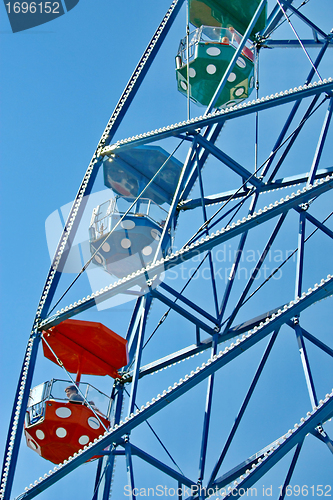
(221, 268)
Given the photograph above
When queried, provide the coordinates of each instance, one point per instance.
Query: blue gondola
(125, 238)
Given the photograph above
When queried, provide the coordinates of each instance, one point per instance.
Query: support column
(209, 400)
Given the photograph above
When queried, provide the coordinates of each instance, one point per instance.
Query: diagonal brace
(307, 21)
(227, 160)
(183, 312)
(306, 366)
(316, 222)
(189, 303)
(313, 339)
(159, 465)
(323, 436)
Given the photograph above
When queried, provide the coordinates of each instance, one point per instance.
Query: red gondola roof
(86, 347)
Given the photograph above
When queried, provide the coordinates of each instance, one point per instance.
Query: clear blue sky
(59, 84)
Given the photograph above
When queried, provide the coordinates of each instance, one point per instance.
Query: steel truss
(202, 134)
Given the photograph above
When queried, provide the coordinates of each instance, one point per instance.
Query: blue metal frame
(193, 250)
(314, 340)
(236, 262)
(287, 44)
(295, 108)
(81, 198)
(202, 134)
(137, 362)
(224, 158)
(272, 21)
(160, 465)
(291, 470)
(324, 412)
(129, 466)
(306, 366)
(103, 491)
(204, 213)
(307, 21)
(232, 63)
(276, 184)
(188, 302)
(300, 256)
(200, 324)
(321, 143)
(242, 409)
(219, 117)
(17, 420)
(255, 272)
(208, 409)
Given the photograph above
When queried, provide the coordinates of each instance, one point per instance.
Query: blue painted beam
(243, 109)
(206, 422)
(291, 470)
(188, 302)
(236, 194)
(106, 462)
(262, 467)
(316, 222)
(237, 259)
(300, 255)
(197, 335)
(183, 312)
(242, 410)
(292, 139)
(129, 468)
(272, 21)
(313, 339)
(99, 477)
(160, 465)
(227, 160)
(205, 344)
(307, 21)
(137, 362)
(232, 475)
(294, 109)
(291, 44)
(109, 461)
(168, 396)
(322, 435)
(204, 213)
(216, 221)
(306, 366)
(223, 481)
(211, 133)
(133, 329)
(321, 142)
(17, 420)
(254, 272)
(193, 250)
(232, 63)
(180, 492)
